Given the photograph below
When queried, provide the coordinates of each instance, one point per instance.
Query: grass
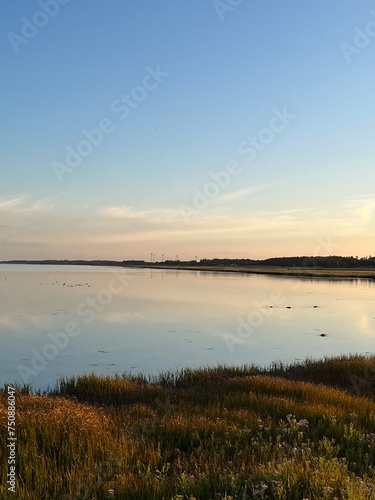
(302, 431)
(349, 273)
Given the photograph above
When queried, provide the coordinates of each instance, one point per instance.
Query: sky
(208, 128)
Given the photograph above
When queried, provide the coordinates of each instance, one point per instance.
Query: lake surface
(66, 320)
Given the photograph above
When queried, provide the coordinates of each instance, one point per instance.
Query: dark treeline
(304, 262)
(333, 262)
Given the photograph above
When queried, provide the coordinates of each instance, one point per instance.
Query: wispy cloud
(361, 209)
(130, 212)
(10, 203)
(20, 205)
(236, 195)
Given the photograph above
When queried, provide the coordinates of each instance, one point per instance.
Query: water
(66, 320)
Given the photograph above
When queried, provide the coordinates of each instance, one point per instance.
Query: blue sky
(225, 71)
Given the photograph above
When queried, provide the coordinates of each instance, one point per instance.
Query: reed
(301, 431)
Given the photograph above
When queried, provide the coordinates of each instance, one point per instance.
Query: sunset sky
(200, 127)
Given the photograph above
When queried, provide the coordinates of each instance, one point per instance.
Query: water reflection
(163, 319)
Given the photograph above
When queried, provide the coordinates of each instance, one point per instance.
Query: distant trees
(332, 261)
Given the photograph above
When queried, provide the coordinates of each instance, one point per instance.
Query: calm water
(69, 320)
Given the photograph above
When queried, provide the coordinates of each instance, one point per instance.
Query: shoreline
(331, 273)
(368, 274)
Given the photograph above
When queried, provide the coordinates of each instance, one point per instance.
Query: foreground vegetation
(305, 431)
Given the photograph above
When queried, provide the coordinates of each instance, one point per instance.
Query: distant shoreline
(279, 271)
(347, 273)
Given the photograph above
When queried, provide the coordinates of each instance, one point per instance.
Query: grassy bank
(305, 431)
(352, 273)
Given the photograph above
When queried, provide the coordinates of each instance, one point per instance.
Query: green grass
(303, 431)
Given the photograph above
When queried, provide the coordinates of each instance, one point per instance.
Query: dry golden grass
(222, 433)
